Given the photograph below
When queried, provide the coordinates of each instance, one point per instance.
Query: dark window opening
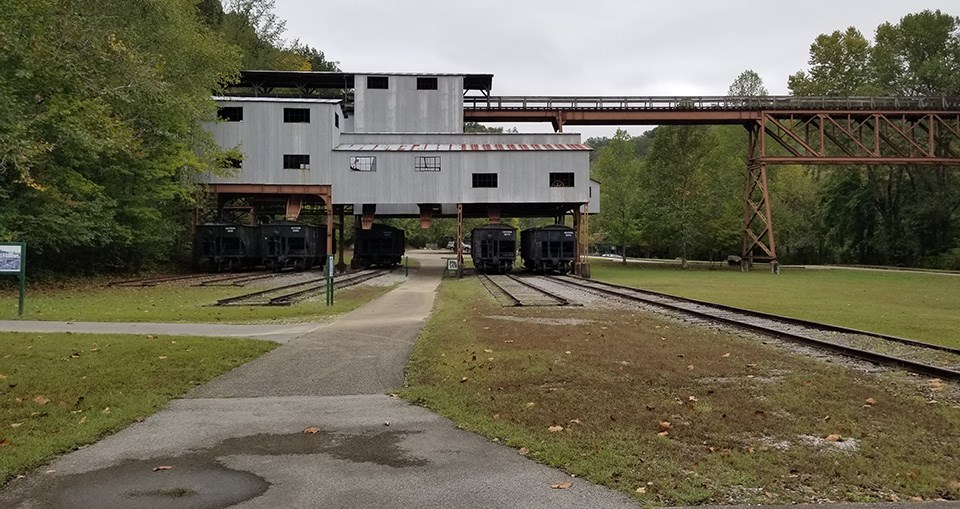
(296, 115)
(363, 163)
(427, 163)
(561, 179)
(336, 120)
(296, 161)
(378, 82)
(230, 114)
(484, 180)
(426, 83)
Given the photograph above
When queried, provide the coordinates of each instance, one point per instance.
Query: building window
(296, 161)
(230, 114)
(296, 115)
(363, 163)
(378, 82)
(336, 120)
(561, 179)
(426, 83)
(484, 180)
(427, 163)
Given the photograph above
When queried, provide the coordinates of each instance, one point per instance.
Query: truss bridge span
(918, 131)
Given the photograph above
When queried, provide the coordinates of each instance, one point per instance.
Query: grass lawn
(172, 302)
(60, 391)
(676, 415)
(918, 306)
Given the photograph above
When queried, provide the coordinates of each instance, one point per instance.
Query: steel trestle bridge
(919, 131)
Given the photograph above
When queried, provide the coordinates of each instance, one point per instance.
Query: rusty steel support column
(583, 240)
(341, 264)
(757, 218)
(459, 240)
(294, 206)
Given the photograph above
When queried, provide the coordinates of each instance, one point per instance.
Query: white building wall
(402, 108)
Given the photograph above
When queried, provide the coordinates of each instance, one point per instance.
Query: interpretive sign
(13, 261)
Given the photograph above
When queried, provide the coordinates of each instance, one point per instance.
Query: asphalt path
(277, 333)
(241, 441)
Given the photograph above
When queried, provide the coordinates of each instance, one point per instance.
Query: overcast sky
(593, 47)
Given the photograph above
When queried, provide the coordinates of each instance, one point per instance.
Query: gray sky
(599, 47)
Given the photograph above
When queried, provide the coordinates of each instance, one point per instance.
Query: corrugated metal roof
(465, 147)
(245, 99)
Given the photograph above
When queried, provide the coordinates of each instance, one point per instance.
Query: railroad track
(154, 281)
(236, 279)
(514, 291)
(287, 295)
(916, 356)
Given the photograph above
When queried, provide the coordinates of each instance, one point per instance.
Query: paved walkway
(278, 333)
(239, 440)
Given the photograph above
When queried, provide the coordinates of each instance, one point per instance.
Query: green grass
(918, 306)
(747, 421)
(61, 391)
(171, 302)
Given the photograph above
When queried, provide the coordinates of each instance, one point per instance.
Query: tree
(747, 84)
(839, 66)
(102, 126)
(617, 168)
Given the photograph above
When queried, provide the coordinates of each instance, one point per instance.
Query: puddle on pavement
(199, 480)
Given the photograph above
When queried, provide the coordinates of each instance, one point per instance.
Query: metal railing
(695, 103)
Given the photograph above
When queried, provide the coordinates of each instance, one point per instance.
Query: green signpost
(330, 280)
(13, 260)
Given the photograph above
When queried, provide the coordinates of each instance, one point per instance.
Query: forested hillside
(100, 124)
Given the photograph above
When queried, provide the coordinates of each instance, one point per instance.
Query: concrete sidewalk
(280, 333)
(250, 450)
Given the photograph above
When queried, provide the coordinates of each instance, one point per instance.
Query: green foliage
(887, 215)
(101, 126)
(747, 84)
(617, 168)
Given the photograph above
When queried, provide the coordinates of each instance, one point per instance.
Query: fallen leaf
(562, 485)
(936, 384)
(568, 352)
(312, 430)
(530, 404)
(870, 401)
(508, 341)
(4, 442)
(464, 379)
(164, 467)
(760, 413)
(105, 411)
(693, 398)
(386, 423)
(139, 418)
(555, 429)
(725, 355)
(82, 420)
(826, 419)
(663, 433)
(690, 366)
(496, 416)
(3, 377)
(574, 421)
(523, 451)
(40, 400)
(162, 357)
(664, 426)
(16, 424)
(51, 471)
(954, 484)
(642, 489)
(833, 438)
(487, 350)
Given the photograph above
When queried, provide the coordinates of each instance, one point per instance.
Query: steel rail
(562, 301)
(786, 319)
(248, 296)
(153, 281)
(235, 280)
(878, 358)
(288, 299)
(489, 283)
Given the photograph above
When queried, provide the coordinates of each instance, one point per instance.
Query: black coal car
(381, 245)
(289, 245)
(222, 247)
(493, 248)
(548, 249)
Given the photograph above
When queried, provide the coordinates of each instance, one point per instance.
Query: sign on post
(13, 261)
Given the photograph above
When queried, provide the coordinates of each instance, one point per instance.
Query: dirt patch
(543, 321)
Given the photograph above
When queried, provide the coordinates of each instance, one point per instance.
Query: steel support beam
(758, 240)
